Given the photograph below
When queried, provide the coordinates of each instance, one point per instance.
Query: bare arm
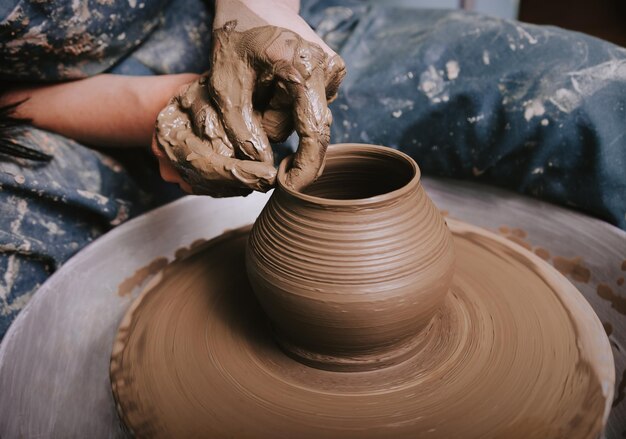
(104, 110)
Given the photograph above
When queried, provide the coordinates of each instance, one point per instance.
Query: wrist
(254, 13)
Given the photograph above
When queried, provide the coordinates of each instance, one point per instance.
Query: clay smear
(195, 353)
(139, 277)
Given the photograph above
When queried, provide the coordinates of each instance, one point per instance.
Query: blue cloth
(536, 109)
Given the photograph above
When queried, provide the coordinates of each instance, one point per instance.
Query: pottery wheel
(521, 355)
(55, 358)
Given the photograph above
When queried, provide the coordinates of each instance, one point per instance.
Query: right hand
(268, 80)
(265, 81)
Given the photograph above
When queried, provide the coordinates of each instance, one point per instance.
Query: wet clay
(518, 356)
(352, 268)
(192, 136)
(364, 327)
(293, 79)
(130, 283)
(572, 267)
(618, 303)
(265, 81)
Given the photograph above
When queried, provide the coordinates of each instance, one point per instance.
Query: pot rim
(410, 185)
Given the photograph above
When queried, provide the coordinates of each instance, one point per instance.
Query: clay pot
(351, 269)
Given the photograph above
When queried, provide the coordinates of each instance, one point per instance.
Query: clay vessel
(351, 269)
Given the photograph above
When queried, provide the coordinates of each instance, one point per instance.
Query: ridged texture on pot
(349, 284)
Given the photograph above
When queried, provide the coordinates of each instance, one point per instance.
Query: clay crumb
(182, 253)
(131, 282)
(573, 268)
(519, 233)
(618, 303)
(542, 253)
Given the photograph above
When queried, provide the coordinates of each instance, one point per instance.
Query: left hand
(194, 151)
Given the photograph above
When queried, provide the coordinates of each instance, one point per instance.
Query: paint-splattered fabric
(49, 211)
(535, 109)
(60, 40)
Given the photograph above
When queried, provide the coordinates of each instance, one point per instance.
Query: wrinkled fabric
(535, 109)
(49, 211)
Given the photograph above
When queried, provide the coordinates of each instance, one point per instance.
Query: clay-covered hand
(190, 135)
(272, 74)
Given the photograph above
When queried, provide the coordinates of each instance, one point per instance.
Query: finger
(196, 161)
(335, 72)
(171, 175)
(278, 125)
(218, 174)
(167, 171)
(277, 119)
(231, 86)
(312, 120)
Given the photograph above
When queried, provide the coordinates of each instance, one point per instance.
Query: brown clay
(572, 267)
(618, 303)
(511, 351)
(351, 269)
(190, 133)
(542, 253)
(195, 357)
(132, 282)
(219, 141)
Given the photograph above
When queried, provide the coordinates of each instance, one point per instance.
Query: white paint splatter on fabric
(524, 34)
(395, 104)
(52, 227)
(588, 81)
(565, 100)
(452, 70)
(433, 84)
(477, 118)
(22, 208)
(533, 108)
(100, 199)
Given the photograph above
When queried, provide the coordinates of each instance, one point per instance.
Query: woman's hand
(270, 74)
(190, 141)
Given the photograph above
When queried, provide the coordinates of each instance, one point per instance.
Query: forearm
(105, 110)
(253, 13)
